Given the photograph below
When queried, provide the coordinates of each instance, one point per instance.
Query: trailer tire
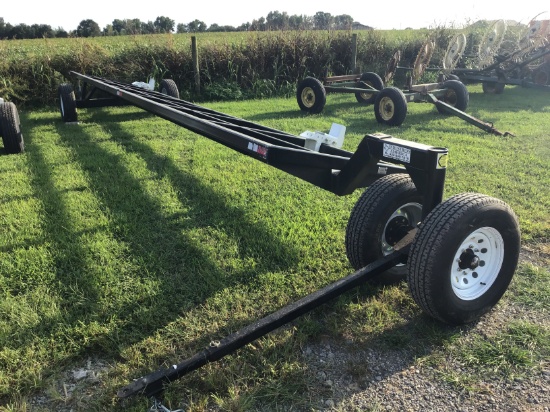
(311, 95)
(463, 257)
(384, 213)
(169, 87)
(390, 106)
(67, 103)
(456, 95)
(10, 128)
(492, 87)
(373, 80)
(540, 77)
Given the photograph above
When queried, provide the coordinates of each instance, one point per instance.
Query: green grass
(134, 242)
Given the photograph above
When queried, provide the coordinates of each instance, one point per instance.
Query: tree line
(275, 20)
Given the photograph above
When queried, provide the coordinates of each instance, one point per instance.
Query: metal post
(354, 53)
(195, 56)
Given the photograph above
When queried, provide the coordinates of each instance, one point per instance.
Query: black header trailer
(458, 255)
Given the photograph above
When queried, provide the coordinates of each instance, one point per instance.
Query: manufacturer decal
(397, 152)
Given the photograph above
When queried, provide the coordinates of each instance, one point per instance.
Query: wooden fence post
(195, 57)
(354, 67)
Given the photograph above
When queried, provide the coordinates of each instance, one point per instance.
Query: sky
(396, 14)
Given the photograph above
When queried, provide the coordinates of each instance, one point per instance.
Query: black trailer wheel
(456, 95)
(311, 95)
(492, 87)
(10, 128)
(67, 103)
(373, 80)
(384, 213)
(463, 257)
(390, 106)
(541, 77)
(169, 87)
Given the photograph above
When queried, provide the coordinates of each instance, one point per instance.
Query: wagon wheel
(490, 43)
(454, 53)
(169, 87)
(384, 213)
(535, 34)
(392, 66)
(541, 77)
(67, 103)
(422, 60)
(311, 95)
(492, 87)
(373, 80)
(463, 257)
(390, 106)
(456, 95)
(10, 128)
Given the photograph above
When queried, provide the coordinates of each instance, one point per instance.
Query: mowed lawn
(129, 243)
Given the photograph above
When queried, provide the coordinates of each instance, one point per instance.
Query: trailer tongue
(458, 255)
(153, 384)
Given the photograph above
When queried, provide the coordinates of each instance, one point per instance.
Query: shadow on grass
(159, 244)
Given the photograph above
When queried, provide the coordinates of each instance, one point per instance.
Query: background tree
(61, 32)
(133, 26)
(197, 26)
(322, 20)
(148, 28)
(88, 28)
(164, 24)
(343, 22)
(118, 26)
(277, 21)
(258, 25)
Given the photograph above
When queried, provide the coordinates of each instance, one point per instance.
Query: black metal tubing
(335, 170)
(154, 383)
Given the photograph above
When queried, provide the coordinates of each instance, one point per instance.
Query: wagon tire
(492, 87)
(463, 257)
(373, 80)
(10, 128)
(390, 106)
(382, 216)
(67, 103)
(456, 95)
(169, 87)
(311, 95)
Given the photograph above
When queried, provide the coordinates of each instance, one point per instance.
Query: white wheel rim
(62, 106)
(477, 263)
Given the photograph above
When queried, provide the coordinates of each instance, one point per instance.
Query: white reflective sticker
(397, 152)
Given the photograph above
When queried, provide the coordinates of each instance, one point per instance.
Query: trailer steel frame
(376, 159)
(336, 170)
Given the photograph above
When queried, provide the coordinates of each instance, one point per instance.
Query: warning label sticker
(261, 150)
(402, 154)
